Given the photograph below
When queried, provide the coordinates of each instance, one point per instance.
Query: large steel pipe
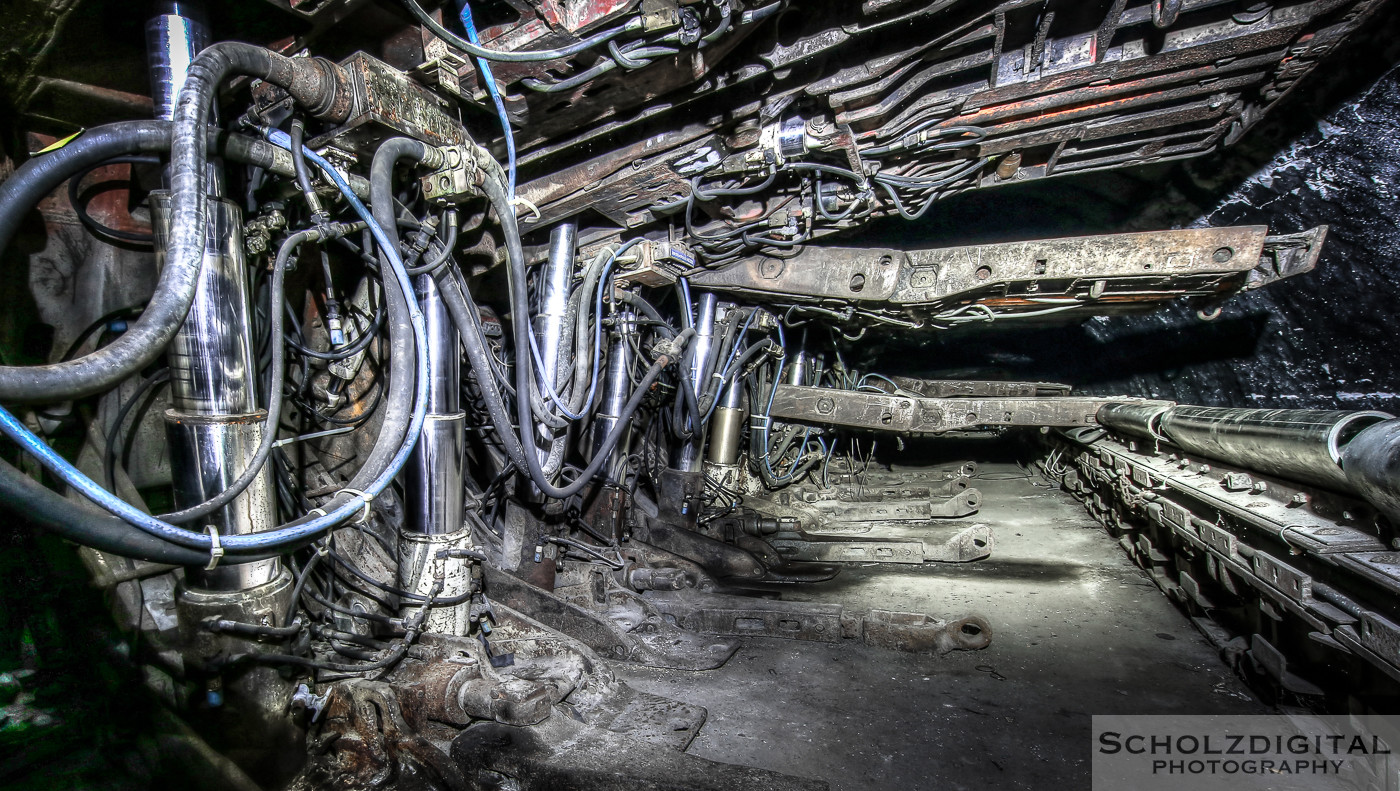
(1371, 461)
(1138, 418)
(1303, 445)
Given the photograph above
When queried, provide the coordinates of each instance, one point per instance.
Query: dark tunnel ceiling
(1325, 156)
(1330, 155)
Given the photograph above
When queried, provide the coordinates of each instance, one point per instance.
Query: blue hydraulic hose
(881, 377)
(296, 531)
(485, 66)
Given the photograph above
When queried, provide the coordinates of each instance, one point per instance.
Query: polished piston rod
(616, 386)
(686, 456)
(214, 423)
(551, 323)
(433, 477)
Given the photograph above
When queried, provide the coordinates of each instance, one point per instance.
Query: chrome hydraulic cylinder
(727, 426)
(434, 473)
(553, 316)
(214, 423)
(433, 476)
(687, 456)
(174, 36)
(616, 385)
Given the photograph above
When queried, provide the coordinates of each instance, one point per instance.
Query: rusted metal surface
(896, 509)
(82, 105)
(381, 97)
(642, 637)
(1064, 278)
(366, 741)
(723, 614)
(919, 633)
(969, 544)
(914, 415)
(1107, 84)
(948, 388)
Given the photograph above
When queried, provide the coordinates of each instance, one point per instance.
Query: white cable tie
(216, 551)
(519, 201)
(364, 515)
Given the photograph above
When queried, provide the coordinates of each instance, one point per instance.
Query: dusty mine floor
(1078, 630)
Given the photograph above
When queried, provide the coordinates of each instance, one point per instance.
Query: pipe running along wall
(1302, 445)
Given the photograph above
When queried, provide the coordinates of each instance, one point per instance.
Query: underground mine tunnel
(699, 394)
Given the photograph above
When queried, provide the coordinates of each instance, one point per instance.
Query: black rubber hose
(705, 398)
(582, 309)
(23, 497)
(223, 626)
(688, 403)
(596, 70)
(316, 84)
(303, 173)
(520, 56)
(112, 452)
(345, 352)
(38, 177)
(402, 351)
(276, 370)
(497, 192)
(381, 180)
(457, 299)
(295, 601)
(744, 358)
(98, 229)
(649, 311)
(449, 241)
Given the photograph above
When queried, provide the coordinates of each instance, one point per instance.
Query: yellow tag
(57, 144)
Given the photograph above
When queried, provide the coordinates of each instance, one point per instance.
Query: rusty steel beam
(1078, 276)
(908, 414)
